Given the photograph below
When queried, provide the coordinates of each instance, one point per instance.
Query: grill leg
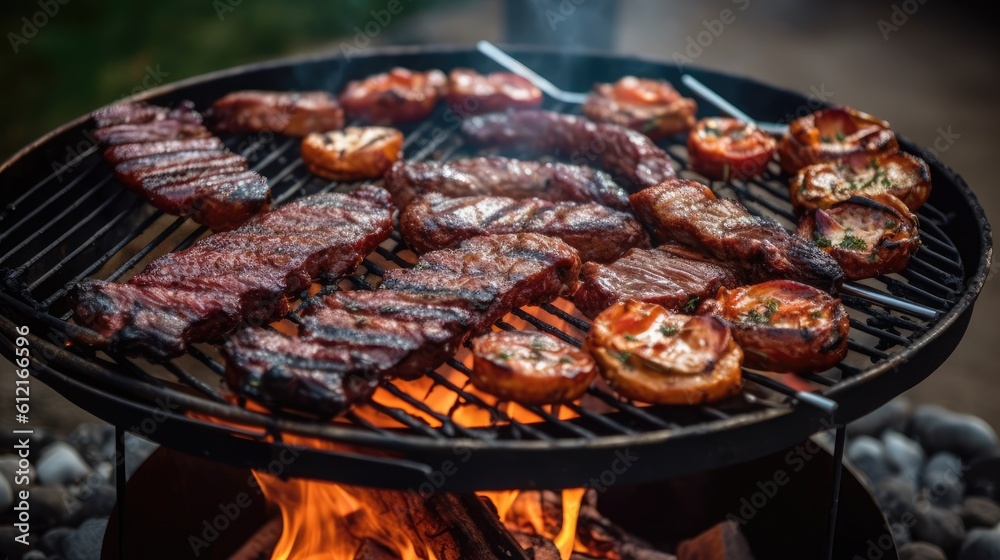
(838, 470)
(120, 487)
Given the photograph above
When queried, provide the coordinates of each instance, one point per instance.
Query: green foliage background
(92, 51)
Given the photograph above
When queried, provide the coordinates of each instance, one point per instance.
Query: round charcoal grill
(66, 218)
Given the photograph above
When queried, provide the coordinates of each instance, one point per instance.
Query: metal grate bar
(883, 335)
(450, 426)
(45, 204)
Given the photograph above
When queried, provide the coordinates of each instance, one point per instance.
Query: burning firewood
(725, 541)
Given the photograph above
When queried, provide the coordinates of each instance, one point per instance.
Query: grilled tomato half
(783, 325)
(867, 236)
(721, 148)
(834, 134)
(652, 355)
(652, 107)
(822, 185)
(472, 93)
(396, 96)
(530, 367)
(354, 153)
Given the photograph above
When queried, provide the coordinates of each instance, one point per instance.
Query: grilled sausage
(395, 97)
(724, 149)
(290, 113)
(652, 107)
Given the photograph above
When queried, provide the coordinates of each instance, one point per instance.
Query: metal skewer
(728, 108)
(512, 64)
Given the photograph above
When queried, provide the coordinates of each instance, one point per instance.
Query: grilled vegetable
(649, 354)
(822, 185)
(834, 134)
(530, 368)
(472, 93)
(783, 325)
(396, 96)
(652, 107)
(868, 237)
(729, 149)
(353, 153)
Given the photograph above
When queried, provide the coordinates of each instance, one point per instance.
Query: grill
(71, 220)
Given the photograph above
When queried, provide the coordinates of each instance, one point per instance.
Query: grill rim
(957, 316)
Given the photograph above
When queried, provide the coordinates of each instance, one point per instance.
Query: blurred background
(927, 66)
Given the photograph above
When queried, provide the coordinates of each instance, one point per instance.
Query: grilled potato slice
(834, 134)
(783, 326)
(353, 153)
(530, 368)
(822, 185)
(867, 236)
(649, 354)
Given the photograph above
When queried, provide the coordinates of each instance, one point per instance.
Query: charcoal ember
(942, 479)
(372, 550)
(868, 455)
(903, 456)
(981, 544)
(724, 541)
(537, 547)
(891, 416)
(61, 464)
(85, 543)
(938, 429)
(921, 551)
(978, 512)
(938, 526)
(896, 497)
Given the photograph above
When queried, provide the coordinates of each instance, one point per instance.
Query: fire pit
(71, 222)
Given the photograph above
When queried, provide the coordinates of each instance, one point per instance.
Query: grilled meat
(651, 355)
(395, 97)
(626, 154)
(670, 276)
(472, 93)
(169, 158)
(688, 213)
(410, 325)
(833, 134)
(599, 233)
(283, 112)
(784, 326)
(498, 176)
(729, 149)
(124, 152)
(867, 236)
(245, 275)
(824, 184)
(530, 368)
(353, 153)
(653, 107)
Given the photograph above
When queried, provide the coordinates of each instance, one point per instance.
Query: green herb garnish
(692, 305)
(505, 355)
(565, 360)
(840, 136)
(822, 242)
(873, 258)
(668, 330)
(630, 338)
(623, 357)
(853, 243)
(890, 224)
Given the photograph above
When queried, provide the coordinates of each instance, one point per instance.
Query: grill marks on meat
(244, 275)
(626, 154)
(599, 233)
(688, 213)
(498, 176)
(670, 276)
(416, 320)
(168, 157)
(288, 113)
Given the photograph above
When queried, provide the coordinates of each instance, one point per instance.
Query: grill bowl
(66, 218)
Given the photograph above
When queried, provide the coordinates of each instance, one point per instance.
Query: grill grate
(93, 227)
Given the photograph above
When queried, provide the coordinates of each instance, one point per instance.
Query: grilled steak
(599, 233)
(283, 112)
(168, 157)
(688, 213)
(410, 325)
(497, 176)
(245, 275)
(626, 154)
(669, 275)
